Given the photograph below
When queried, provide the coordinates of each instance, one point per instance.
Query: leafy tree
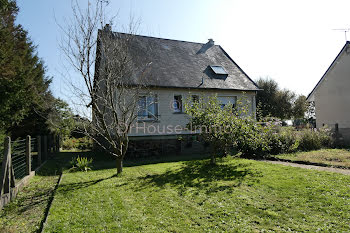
(60, 118)
(275, 102)
(300, 107)
(266, 98)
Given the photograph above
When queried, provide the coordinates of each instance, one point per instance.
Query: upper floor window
(147, 108)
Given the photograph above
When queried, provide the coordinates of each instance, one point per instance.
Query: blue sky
(292, 42)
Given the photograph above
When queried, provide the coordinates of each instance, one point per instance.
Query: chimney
(210, 41)
(107, 28)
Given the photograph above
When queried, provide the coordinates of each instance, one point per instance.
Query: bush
(81, 164)
(314, 140)
(77, 143)
(284, 141)
(250, 138)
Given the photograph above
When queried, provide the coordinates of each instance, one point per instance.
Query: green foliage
(83, 143)
(61, 119)
(300, 107)
(23, 84)
(284, 141)
(314, 140)
(2, 140)
(27, 105)
(81, 164)
(226, 128)
(276, 102)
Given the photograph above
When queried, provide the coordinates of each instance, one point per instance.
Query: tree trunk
(212, 159)
(119, 166)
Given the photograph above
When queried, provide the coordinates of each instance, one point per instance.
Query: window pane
(142, 107)
(151, 107)
(177, 103)
(224, 100)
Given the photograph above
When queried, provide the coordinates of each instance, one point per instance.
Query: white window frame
(222, 105)
(150, 108)
(176, 108)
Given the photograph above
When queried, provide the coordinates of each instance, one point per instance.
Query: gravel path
(328, 169)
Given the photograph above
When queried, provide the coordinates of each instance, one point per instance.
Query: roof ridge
(159, 38)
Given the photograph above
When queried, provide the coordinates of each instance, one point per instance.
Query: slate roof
(182, 64)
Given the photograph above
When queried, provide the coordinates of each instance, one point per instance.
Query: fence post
(45, 147)
(28, 155)
(39, 149)
(7, 179)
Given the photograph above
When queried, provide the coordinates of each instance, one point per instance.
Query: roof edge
(227, 55)
(332, 64)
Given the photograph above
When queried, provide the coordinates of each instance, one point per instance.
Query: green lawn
(192, 196)
(26, 212)
(331, 157)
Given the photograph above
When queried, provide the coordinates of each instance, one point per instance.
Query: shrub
(250, 138)
(81, 164)
(226, 128)
(77, 143)
(283, 141)
(314, 140)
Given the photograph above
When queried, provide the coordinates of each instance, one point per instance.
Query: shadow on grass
(202, 176)
(103, 161)
(65, 188)
(195, 172)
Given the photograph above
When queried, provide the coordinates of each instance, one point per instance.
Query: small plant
(81, 164)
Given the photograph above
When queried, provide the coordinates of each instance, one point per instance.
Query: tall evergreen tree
(24, 88)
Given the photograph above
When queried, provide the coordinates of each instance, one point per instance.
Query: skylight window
(219, 70)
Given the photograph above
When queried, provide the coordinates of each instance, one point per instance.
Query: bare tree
(110, 81)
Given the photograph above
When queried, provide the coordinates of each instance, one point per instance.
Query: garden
(180, 194)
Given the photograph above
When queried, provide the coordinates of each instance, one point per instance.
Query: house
(182, 70)
(331, 95)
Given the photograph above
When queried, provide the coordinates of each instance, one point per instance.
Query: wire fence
(18, 154)
(34, 154)
(23, 156)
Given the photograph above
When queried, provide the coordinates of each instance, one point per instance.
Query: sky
(292, 42)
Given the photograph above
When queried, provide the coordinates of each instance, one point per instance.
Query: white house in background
(182, 70)
(331, 95)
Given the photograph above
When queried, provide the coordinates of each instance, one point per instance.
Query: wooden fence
(20, 160)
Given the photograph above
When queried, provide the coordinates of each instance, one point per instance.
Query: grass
(330, 157)
(27, 211)
(192, 196)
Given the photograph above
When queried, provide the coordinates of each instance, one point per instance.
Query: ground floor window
(147, 108)
(177, 103)
(224, 100)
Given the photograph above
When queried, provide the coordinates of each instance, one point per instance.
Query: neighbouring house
(331, 95)
(181, 70)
